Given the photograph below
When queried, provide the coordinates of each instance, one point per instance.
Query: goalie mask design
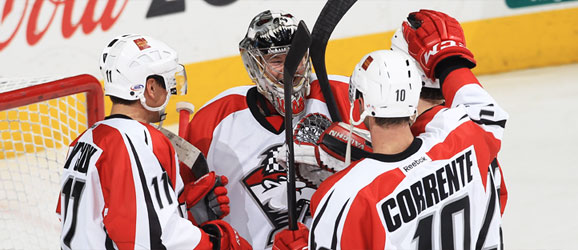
(128, 60)
(263, 51)
(389, 83)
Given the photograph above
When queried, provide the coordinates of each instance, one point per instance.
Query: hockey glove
(292, 240)
(319, 160)
(224, 237)
(333, 145)
(433, 36)
(206, 198)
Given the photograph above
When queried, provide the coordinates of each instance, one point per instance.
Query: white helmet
(398, 43)
(268, 38)
(389, 83)
(128, 60)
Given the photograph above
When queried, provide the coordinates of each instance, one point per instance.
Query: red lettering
(107, 19)
(7, 9)
(87, 21)
(32, 36)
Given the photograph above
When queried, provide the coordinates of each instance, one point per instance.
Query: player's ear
(152, 88)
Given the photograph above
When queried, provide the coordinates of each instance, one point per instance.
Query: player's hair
(160, 80)
(384, 122)
(116, 100)
(431, 94)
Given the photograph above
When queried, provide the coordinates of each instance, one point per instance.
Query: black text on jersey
(86, 152)
(427, 192)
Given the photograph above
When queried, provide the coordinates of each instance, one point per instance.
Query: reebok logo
(439, 47)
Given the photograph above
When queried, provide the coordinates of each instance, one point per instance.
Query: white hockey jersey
(239, 142)
(440, 193)
(119, 190)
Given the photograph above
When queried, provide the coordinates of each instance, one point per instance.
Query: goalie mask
(128, 60)
(389, 83)
(263, 51)
(398, 43)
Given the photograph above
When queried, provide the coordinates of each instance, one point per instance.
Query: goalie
(241, 130)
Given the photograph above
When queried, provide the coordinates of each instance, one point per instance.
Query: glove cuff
(451, 63)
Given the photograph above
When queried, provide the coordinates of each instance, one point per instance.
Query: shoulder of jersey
(338, 83)
(332, 78)
(240, 90)
(110, 131)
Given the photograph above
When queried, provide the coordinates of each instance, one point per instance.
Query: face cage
(272, 88)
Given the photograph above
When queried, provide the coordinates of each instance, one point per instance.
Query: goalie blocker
(333, 142)
(320, 147)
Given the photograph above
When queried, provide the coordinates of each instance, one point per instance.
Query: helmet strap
(160, 109)
(352, 123)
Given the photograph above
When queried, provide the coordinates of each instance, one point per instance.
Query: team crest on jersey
(268, 186)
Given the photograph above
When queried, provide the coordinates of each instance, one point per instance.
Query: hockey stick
(188, 154)
(299, 46)
(330, 15)
(185, 109)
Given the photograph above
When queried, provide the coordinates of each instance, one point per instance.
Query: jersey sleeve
(471, 117)
(133, 214)
(470, 113)
(462, 88)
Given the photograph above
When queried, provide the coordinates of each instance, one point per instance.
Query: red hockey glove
(224, 237)
(292, 240)
(433, 36)
(207, 198)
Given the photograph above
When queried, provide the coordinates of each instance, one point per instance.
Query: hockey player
(430, 97)
(241, 129)
(433, 191)
(120, 182)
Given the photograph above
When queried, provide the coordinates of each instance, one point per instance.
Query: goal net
(39, 118)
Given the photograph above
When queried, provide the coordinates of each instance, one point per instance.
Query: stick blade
(187, 153)
(326, 22)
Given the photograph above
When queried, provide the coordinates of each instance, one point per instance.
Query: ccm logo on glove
(439, 47)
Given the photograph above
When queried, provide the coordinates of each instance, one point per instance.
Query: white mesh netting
(34, 142)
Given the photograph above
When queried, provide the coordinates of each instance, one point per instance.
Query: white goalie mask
(389, 83)
(263, 51)
(398, 43)
(128, 60)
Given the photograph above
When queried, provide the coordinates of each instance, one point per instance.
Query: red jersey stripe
(456, 80)
(122, 205)
(363, 210)
(485, 144)
(200, 129)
